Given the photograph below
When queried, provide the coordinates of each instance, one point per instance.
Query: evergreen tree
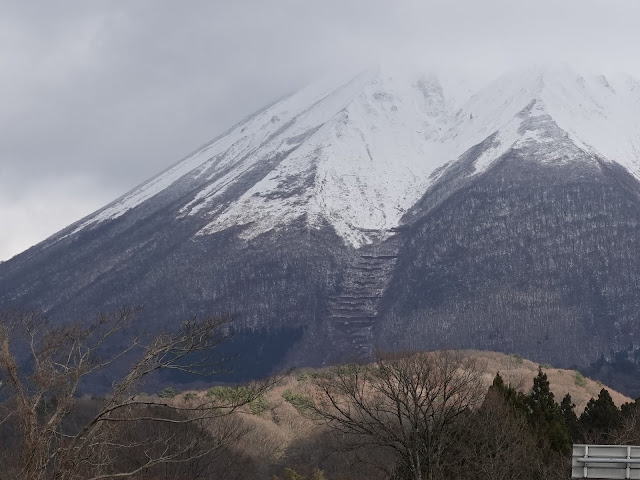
(600, 417)
(567, 410)
(498, 383)
(541, 400)
(512, 397)
(545, 416)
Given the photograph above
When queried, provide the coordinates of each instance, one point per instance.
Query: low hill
(278, 427)
(520, 372)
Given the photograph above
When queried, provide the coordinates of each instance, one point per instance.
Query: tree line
(411, 416)
(430, 416)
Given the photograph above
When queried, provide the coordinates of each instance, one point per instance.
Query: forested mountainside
(539, 259)
(384, 211)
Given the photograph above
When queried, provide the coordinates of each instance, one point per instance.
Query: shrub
(231, 395)
(259, 405)
(290, 474)
(300, 401)
(168, 392)
(580, 380)
(351, 369)
(188, 397)
(517, 358)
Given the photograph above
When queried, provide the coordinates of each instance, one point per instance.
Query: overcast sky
(96, 96)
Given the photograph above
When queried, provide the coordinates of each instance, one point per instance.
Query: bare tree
(494, 443)
(628, 431)
(210, 448)
(40, 399)
(406, 404)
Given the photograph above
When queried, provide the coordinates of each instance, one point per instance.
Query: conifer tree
(545, 416)
(567, 410)
(541, 399)
(600, 418)
(512, 397)
(498, 383)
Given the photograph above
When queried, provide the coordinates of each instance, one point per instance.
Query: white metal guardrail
(606, 461)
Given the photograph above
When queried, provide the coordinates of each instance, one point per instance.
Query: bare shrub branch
(39, 398)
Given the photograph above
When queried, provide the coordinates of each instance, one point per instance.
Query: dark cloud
(97, 96)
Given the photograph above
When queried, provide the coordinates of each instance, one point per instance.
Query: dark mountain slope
(534, 258)
(379, 212)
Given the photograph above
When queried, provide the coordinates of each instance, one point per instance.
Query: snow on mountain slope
(240, 141)
(359, 153)
(603, 114)
(365, 166)
(596, 116)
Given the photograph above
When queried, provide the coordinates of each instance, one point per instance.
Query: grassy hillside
(280, 429)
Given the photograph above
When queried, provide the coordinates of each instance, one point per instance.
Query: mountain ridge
(374, 93)
(376, 212)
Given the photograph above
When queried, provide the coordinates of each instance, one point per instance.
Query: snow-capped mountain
(385, 210)
(357, 154)
(360, 153)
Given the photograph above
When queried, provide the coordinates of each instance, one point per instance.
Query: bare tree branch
(40, 401)
(408, 404)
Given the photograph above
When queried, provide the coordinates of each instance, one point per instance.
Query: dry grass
(519, 372)
(274, 430)
(282, 425)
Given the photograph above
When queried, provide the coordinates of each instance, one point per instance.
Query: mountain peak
(357, 153)
(361, 164)
(519, 224)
